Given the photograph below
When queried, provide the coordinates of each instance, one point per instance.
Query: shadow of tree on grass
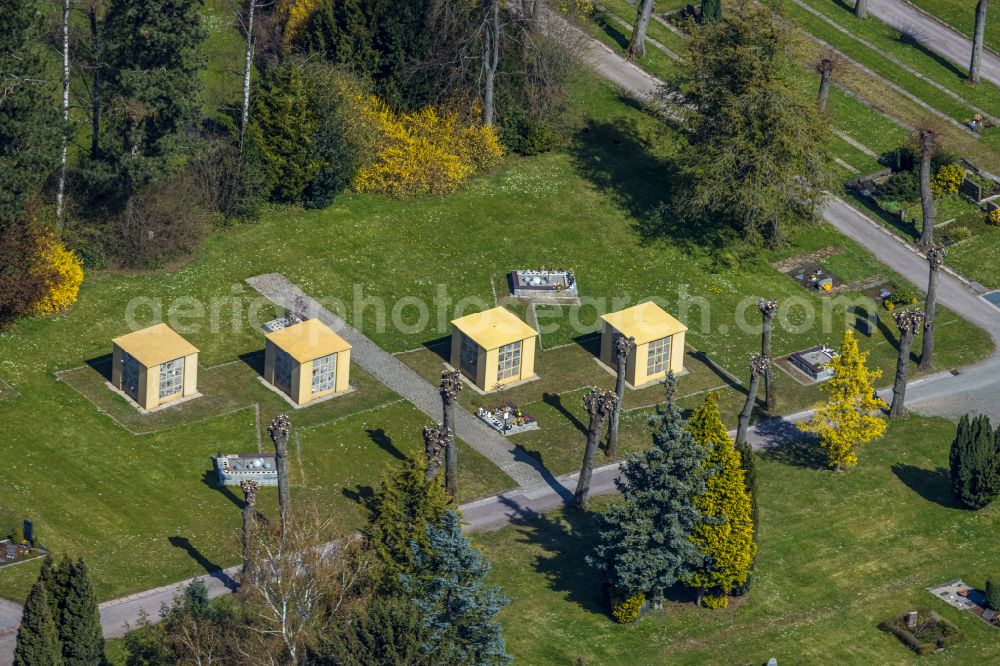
(934, 485)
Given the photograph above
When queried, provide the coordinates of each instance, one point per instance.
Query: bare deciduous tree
(307, 580)
(61, 187)
(622, 348)
(758, 367)
(908, 323)
(598, 404)
(861, 9)
(492, 34)
(451, 385)
(767, 309)
(280, 429)
(935, 258)
(637, 44)
(977, 41)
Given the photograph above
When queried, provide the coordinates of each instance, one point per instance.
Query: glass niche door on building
(283, 370)
(130, 376)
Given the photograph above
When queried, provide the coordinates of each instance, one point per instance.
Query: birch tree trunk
(491, 58)
(637, 44)
(927, 141)
(61, 191)
(95, 89)
(247, 66)
(908, 323)
(623, 347)
(977, 41)
(861, 9)
(935, 257)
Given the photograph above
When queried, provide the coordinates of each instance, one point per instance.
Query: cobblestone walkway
(524, 469)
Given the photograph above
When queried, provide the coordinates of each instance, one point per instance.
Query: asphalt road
(935, 35)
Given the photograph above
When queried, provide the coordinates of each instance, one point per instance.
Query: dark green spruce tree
(30, 125)
(80, 629)
(37, 638)
(711, 10)
(56, 580)
(151, 90)
(448, 586)
(975, 462)
(644, 540)
(391, 632)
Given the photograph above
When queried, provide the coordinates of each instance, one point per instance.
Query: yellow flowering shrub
(64, 274)
(296, 13)
(993, 217)
(947, 180)
(424, 152)
(627, 610)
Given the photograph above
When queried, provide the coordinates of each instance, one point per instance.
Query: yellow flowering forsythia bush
(993, 217)
(627, 610)
(297, 12)
(425, 152)
(64, 271)
(947, 180)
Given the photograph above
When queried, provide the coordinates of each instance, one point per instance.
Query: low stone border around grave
(965, 597)
(497, 424)
(40, 552)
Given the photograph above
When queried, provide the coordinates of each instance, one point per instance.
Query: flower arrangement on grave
(993, 217)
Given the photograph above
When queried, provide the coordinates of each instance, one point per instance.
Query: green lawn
(962, 17)
(95, 489)
(838, 554)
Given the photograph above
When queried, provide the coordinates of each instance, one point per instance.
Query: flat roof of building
(155, 345)
(644, 322)
(494, 328)
(308, 340)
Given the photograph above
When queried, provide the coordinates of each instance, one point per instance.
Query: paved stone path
(935, 35)
(524, 469)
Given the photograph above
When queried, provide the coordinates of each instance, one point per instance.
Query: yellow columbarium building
(154, 366)
(659, 342)
(307, 361)
(493, 348)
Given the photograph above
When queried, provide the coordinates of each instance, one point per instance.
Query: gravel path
(935, 35)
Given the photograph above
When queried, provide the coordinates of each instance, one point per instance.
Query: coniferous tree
(849, 417)
(80, 629)
(448, 585)
(30, 128)
(37, 637)
(403, 504)
(391, 632)
(975, 462)
(150, 89)
(644, 541)
(711, 10)
(56, 581)
(726, 536)
(754, 162)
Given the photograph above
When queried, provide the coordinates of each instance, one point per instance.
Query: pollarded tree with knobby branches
(935, 259)
(451, 385)
(599, 404)
(249, 489)
(908, 323)
(436, 441)
(622, 348)
(767, 310)
(758, 367)
(280, 430)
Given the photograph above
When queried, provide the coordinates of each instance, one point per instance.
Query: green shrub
(954, 234)
(901, 186)
(903, 296)
(526, 136)
(715, 601)
(627, 610)
(993, 593)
